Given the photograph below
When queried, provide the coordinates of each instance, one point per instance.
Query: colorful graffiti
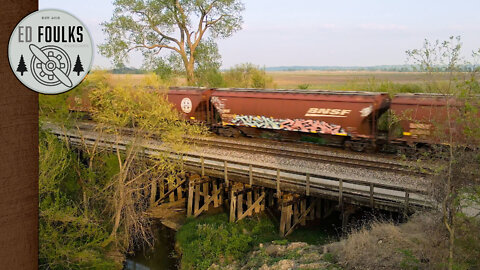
(302, 125)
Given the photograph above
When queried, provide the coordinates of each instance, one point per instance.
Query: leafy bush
(248, 76)
(213, 239)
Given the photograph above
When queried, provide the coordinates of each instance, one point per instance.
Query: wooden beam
(164, 196)
(191, 185)
(302, 216)
(233, 201)
(255, 204)
(206, 203)
(197, 198)
(239, 205)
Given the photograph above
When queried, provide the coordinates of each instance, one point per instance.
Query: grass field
(382, 81)
(344, 80)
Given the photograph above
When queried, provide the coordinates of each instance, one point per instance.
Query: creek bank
(280, 255)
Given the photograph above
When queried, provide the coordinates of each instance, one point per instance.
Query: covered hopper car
(356, 120)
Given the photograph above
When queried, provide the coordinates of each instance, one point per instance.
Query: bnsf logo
(327, 112)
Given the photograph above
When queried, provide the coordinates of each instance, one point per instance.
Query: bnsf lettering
(323, 111)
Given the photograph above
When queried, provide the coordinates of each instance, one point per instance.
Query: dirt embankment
(420, 243)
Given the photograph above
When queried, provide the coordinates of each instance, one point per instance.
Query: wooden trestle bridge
(247, 187)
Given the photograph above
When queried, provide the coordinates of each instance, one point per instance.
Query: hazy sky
(320, 33)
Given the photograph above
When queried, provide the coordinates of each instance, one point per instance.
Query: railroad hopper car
(423, 119)
(330, 117)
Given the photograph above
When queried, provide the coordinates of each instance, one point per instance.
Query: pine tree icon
(78, 66)
(21, 66)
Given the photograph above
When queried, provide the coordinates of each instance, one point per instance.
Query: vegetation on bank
(214, 240)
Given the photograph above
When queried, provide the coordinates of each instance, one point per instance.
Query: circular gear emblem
(50, 51)
(186, 105)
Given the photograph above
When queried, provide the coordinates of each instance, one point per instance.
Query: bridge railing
(369, 193)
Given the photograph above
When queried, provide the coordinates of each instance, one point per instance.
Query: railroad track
(309, 156)
(279, 149)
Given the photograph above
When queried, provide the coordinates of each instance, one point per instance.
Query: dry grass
(418, 244)
(340, 79)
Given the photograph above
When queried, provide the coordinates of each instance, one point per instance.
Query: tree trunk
(189, 67)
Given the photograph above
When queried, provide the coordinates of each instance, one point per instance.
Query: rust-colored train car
(192, 102)
(423, 118)
(340, 113)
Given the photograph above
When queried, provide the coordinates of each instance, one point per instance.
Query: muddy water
(161, 257)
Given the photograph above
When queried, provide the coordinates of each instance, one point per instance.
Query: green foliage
(213, 239)
(248, 76)
(68, 238)
(207, 66)
(150, 26)
(303, 86)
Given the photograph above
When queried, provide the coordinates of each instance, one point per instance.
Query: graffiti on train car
(302, 125)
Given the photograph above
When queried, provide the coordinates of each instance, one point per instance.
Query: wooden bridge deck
(357, 191)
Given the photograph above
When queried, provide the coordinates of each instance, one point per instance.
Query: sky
(318, 32)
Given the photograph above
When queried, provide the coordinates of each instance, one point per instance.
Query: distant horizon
(318, 33)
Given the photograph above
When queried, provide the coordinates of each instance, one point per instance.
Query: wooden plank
(205, 205)
(239, 205)
(283, 220)
(249, 203)
(205, 194)
(164, 196)
(170, 191)
(256, 195)
(215, 197)
(197, 199)
(304, 214)
(202, 160)
(295, 212)
(190, 198)
(233, 201)
(249, 210)
(288, 222)
(262, 205)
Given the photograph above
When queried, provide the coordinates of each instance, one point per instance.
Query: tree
(152, 25)
(21, 66)
(248, 75)
(78, 66)
(459, 175)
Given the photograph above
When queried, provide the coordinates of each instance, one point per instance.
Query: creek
(161, 257)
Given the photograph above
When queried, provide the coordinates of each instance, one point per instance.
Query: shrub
(213, 239)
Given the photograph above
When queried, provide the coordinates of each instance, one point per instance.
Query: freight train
(356, 120)
(360, 121)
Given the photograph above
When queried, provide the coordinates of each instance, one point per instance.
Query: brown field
(331, 80)
(342, 80)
